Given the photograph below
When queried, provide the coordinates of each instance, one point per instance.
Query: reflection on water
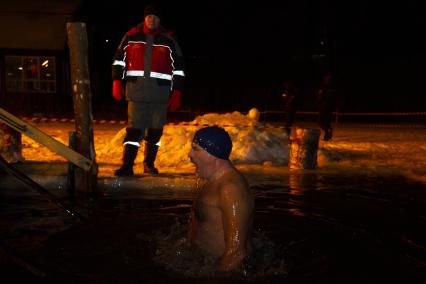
(346, 225)
(309, 227)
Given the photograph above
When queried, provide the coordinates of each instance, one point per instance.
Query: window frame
(27, 74)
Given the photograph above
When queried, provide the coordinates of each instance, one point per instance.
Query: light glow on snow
(256, 145)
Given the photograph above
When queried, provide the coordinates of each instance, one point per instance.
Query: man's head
(210, 145)
(152, 15)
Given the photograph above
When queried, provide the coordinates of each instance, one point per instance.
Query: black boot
(150, 155)
(129, 155)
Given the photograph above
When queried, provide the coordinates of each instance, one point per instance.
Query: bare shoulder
(234, 182)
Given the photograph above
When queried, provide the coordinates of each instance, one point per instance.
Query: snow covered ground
(395, 149)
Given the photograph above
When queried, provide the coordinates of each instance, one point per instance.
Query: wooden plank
(44, 139)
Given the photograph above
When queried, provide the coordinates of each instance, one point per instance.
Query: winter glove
(174, 100)
(117, 90)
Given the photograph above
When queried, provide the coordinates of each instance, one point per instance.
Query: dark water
(309, 228)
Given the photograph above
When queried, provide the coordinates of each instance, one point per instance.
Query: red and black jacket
(167, 61)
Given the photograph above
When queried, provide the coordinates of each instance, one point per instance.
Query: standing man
(222, 215)
(148, 69)
(326, 102)
(290, 97)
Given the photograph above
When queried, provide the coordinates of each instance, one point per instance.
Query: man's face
(202, 159)
(152, 22)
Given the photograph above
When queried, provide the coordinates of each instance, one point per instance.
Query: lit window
(35, 74)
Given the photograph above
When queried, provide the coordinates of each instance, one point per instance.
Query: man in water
(222, 215)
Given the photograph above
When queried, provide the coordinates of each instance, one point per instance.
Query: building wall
(33, 31)
(36, 28)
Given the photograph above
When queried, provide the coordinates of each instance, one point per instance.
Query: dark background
(237, 55)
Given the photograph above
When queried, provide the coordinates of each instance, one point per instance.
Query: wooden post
(85, 182)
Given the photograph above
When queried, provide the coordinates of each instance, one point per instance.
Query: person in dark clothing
(290, 98)
(326, 104)
(148, 69)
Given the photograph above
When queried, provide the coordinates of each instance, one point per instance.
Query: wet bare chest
(207, 204)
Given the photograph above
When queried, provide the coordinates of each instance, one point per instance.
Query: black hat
(215, 140)
(152, 9)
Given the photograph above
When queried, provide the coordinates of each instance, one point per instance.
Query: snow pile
(253, 143)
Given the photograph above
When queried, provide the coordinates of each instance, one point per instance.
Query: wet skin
(222, 214)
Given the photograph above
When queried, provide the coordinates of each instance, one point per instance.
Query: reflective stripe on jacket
(167, 62)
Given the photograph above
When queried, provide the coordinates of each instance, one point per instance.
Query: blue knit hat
(215, 140)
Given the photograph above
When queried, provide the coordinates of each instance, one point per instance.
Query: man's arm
(179, 65)
(119, 64)
(235, 218)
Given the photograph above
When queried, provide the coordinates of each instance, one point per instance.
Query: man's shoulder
(233, 180)
(134, 30)
(170, 35)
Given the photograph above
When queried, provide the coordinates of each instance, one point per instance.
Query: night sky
(237, 55)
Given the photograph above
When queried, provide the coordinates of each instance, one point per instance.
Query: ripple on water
(175, 254)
